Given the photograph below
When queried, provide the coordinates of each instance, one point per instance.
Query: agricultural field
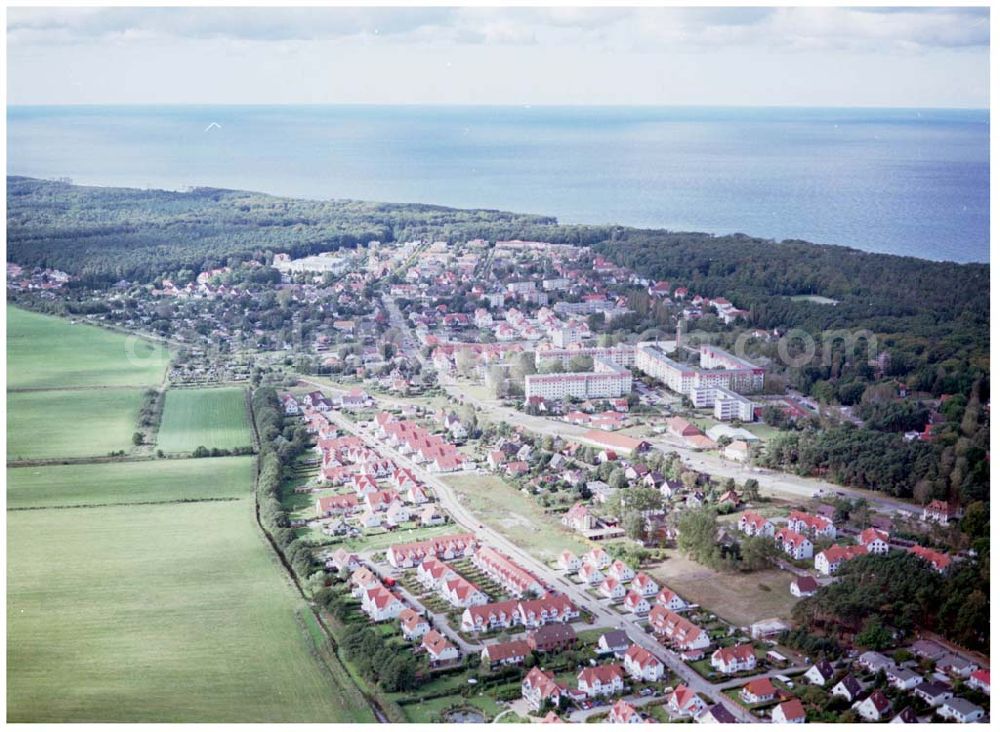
(96, 484)
(737, 597)
(70, 423)
(46, 352)
(203, 417)
(515, 515)
(163, 613)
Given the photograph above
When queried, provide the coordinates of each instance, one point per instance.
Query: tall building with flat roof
(608, 380)
(720, 376)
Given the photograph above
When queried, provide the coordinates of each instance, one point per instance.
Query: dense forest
(902, 591)
(106, 234)
(931, 318)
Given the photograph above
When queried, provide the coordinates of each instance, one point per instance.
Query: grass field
(167, 613)
(736, 597)
(109, 483)
(72, 423)
(45, 352)
(208, 417)
(515, 515)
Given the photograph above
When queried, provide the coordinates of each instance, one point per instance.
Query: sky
(738, 56)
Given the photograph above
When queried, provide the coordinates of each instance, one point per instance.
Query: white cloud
(625, 27)
(904, 56)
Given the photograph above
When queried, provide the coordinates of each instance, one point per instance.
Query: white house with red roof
(568, 561)
(380, 604)
(433, 573)
(611, 588)
(817, 527)
(413, 624)
(670, 600)
(980, 680)
(678, 631)
(590, 574)
(342, 559)
(758, 691)
(635, 603)
(439, 650)
(829, 560)
(624, 713)
(510, 653)
(644, 585)
(461, 593)
(603, 680)
(452, 546)
(876, 541)
(938, 560)
(794, 544)
(684, 702)
(336, 505)
(597, 557)
(579, 518)
(511, 576)
(753, 524)
(734, 659)
(551, 608)
(789, 712)
(540, 687)
(941, 512)
(621, 571)
(363, 579)
(491, 616)
(641, 664)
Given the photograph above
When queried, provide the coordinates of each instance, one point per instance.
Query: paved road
(603, 616)
(771, 481)
(437, 620)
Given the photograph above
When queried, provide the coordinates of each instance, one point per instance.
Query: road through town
(603, 615)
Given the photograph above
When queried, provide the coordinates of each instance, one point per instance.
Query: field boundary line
(218, 499)
(376, 707)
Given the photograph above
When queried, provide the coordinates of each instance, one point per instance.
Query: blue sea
(904, 181)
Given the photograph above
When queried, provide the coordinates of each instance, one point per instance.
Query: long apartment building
(719, 382)
(608, 380)
(620, 355)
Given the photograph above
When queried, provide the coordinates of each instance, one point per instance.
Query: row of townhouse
(420, 445)
(451, 546)
(437, 576)
(549, 638)
(513, 578)
(551, 608)
(377, 601)
(678, 631)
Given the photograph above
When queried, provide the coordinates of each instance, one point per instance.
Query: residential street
(603, 616)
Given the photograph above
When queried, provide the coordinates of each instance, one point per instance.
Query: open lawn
(71, 423)
(109, 483)
(203, 417)
(515, 515)
(46, 352)
(166, 613)
(385, 539)
(736, 597)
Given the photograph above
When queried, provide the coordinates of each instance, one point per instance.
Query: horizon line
(505, 105)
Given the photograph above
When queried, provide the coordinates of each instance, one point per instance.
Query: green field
(166, 613)
(71, 423)
(501, 506)
(46, 352)
(203, 417)
(136, 482)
